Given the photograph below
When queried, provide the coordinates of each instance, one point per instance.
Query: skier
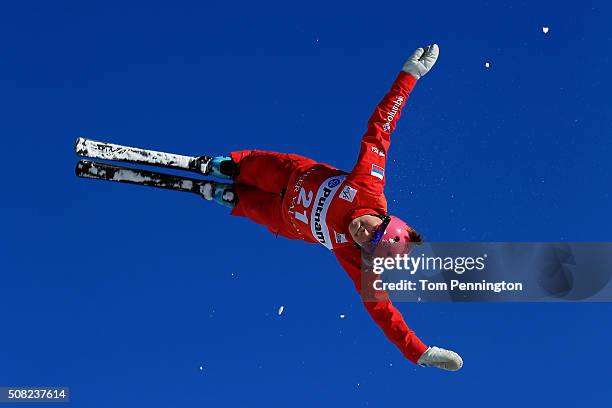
(298, 198)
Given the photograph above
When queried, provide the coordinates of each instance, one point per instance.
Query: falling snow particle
(342, 316)
(201, 368)
(280, 310)
(545, 30)
(487, 64)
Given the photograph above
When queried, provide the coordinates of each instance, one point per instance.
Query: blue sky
(122, 293)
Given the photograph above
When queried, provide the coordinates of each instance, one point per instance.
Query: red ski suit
(298, 198)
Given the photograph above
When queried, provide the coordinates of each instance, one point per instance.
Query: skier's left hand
(441, 358)
(421, 61)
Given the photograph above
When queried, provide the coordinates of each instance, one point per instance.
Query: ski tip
(79, 146)
(80, 168)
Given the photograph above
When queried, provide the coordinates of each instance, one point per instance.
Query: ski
(102, 171)
(110, 151)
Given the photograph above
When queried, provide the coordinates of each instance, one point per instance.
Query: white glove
(441, 358)
(421, 61)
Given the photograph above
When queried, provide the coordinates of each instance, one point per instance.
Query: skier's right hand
(421, 61)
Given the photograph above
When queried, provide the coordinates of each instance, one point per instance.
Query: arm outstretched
(380, 308)
(369, 171)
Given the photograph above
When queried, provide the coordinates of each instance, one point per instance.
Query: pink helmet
(392, 237)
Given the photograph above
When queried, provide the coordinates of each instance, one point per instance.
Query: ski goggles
(380, 230)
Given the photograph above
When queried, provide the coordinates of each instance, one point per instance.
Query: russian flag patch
(378, 171)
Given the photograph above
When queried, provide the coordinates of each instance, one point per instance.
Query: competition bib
(311, 208)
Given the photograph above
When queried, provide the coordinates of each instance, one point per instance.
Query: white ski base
(110, 151)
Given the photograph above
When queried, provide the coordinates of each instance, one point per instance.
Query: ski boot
(220, 166)
(223, 194)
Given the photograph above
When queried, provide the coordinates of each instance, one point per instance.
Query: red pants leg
(259, 206)
(268, 171)
(261, 182)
